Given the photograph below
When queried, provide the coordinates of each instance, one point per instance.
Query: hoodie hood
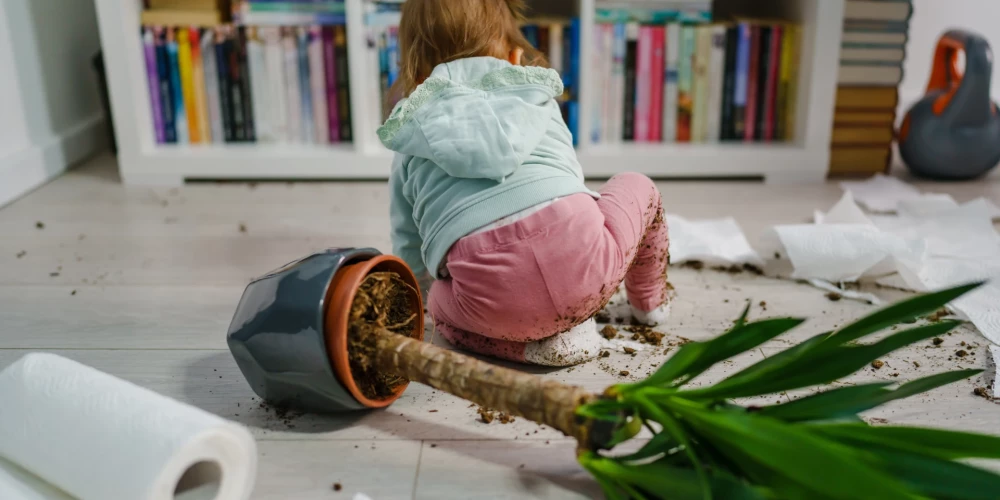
(475, 118)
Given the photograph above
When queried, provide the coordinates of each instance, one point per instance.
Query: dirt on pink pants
(553, 270)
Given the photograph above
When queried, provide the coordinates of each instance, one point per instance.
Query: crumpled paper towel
(929, 246)
(718, 242)
(883, 194)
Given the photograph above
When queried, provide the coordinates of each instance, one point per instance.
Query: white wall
(930, 19)
(51, 110)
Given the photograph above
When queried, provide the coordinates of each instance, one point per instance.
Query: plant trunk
(529, 396)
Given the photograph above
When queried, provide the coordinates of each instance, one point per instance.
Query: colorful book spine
(200, 98)
(235, 87)
(292, 88)
(184, 65)
(258, 86)
(330, 73)
(700, 84)
(393, 50)
(741, 92)
(180, 117)
(556, 47)
(727, 131)
(211, 71)
(631, 63)
(763, 72)
(305, 87)
(794, 34)
(249, 133)
(716, 82)
(656, 84)
(165, 87)
(685, 83)
(644, 79)
(771, 94)
(753, 84)
(575, 31)
(274, 61)
(602, 61)
(317, 75)
(671, 91)
(617, 114)
(225, 86)
(343, 84)
(153, 77)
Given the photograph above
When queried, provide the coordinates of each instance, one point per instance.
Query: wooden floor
(142, 283)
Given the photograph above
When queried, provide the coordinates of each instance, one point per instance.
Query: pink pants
(553, 270)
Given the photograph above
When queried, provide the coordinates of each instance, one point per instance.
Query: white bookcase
(142, 161)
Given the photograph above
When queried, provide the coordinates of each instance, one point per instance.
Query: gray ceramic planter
(278, 337)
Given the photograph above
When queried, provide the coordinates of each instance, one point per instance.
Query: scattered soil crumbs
(504, 418)
(645, 335)
(878, 364)
(21, 254)
(382, 301)
(73, 292)
(337, 487)
(697, 265)
(605, 354)
(981, 392)
(763, 305)
(834, 296)
(609, 332)
(916, 365)
(602, 317)
(961, 353)
(243, 228)
(284, 415)
(623, 373)
(938, 341)
(878, 421)
(938, 316)
(40, 225)
(487, 416)
(629, 350)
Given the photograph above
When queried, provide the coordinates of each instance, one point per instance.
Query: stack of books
(185, 12)
(675, 77)
(871, 68)
(289, 12)
(237, 84)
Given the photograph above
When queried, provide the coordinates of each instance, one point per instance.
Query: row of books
(248, 84)
(698, 83)
(289, 12)
(872, 56)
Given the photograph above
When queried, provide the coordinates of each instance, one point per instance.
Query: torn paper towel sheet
(881, 193)
(718, 242)
(925, 249)
(97, 437)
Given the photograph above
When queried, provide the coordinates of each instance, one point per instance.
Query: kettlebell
(953, 133)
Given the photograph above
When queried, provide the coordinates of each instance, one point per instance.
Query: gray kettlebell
(953, 133)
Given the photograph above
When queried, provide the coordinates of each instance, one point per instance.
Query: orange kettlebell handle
(946, 74)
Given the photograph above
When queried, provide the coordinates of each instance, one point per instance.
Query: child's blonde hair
(434, 32)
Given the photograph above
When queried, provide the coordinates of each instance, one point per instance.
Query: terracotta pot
(342, 290)
(278, 335)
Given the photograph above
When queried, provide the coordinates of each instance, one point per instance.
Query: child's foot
(578, 345)
(656, 317)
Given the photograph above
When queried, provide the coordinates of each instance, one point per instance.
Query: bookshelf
(143, 162)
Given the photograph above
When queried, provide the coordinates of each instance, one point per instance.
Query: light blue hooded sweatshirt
(479, 140)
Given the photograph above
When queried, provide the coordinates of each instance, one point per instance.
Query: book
(865, 75)
(198, 77)
(543, 41)
(201, 18)
(575, 32)
(293, 99)
(881, 10)
(330, 72)
(329, 7)
(886, 117)
(770, 109)
(727, 129)
(863, 98)
(186, 4)
(225, 86)
(763, 75)
(249, 132)
(784, 84)
(257, 62)
(875, 26)
(753, 85)
(685, 83)
(716, 82)
(601, 128)
(863, 160)
(793, 33)
(211, 71)
(317, 75)
(617, 115)
(274, 61)
(700, 84)
(185, 66)
(631, 67)
(644, 79)
(305, 86)
(656, 84)
(167, 106)
(671, 91)
(741, 91)
(343, 84)
(286, 18)
(850, 55)
(859, 134)
(177, 94)
(863, 38)
(556, 47)
(530, 33)
(153, 82)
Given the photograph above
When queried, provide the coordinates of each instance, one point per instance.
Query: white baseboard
(24, 171)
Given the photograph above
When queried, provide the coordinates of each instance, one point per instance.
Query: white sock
(656, 317)
(580, 344)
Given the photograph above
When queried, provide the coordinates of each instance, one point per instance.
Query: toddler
(489, 206)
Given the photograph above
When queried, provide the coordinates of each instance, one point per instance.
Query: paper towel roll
(97, 437)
